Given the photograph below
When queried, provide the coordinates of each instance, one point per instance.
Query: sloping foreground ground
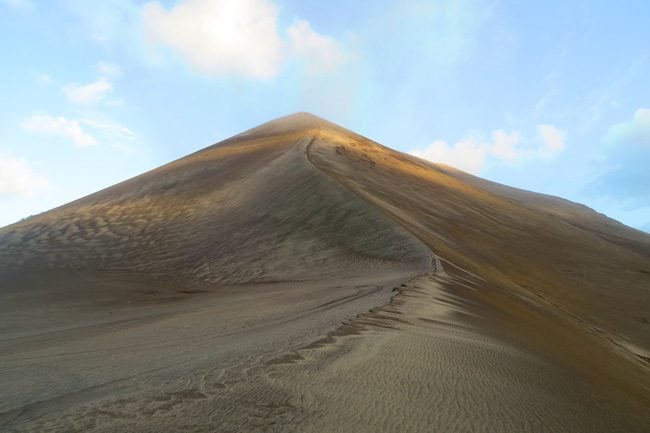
(196, 297)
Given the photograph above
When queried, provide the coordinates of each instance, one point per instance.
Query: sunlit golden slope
(578, 270)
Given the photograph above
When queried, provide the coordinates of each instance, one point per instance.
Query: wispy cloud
(88, 93)
(59, 126)
(605, 98)
(547, 98)
(112, 133)
(112, 129)
(17, 178)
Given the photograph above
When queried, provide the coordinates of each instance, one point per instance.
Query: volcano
(301, 277)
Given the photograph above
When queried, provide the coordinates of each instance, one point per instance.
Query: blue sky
(553, 97)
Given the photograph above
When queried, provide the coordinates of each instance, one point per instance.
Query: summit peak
(293, 122)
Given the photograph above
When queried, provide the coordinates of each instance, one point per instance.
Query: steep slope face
(251, 209)
(578, 215)
(202, 266)
(542, 259)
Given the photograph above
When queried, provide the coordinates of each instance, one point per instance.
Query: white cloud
(625, 176)
(633, 132)
(44, 124)
(83, 132)
(321, 53)
(17, 178)
(468, 154)
(552, 138)
(473, 153)
(220, 37)
(97, 90)
(87, 93)
(504, 145)
(238, 37)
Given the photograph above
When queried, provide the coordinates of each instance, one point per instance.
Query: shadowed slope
(259, 251)
(250, 209)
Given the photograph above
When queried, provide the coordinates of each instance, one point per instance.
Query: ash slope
(588, 275)
(545, 301)
(251, 209)
(232, 254)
